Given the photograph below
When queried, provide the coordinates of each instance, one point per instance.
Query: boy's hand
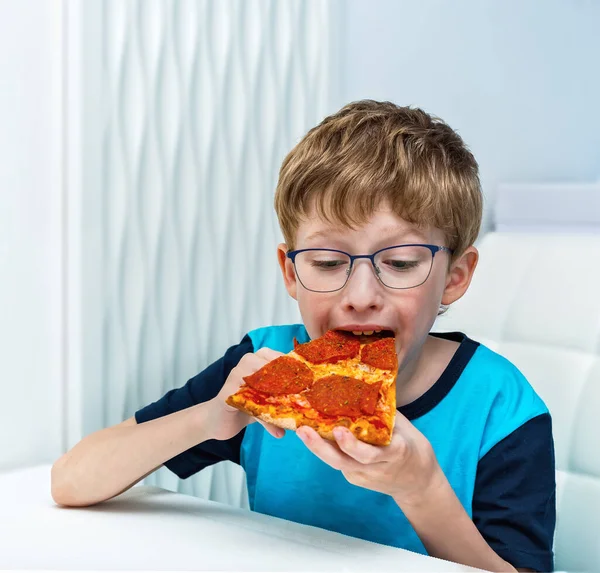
(228, 421)
(407, 469)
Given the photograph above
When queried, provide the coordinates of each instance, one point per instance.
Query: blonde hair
(370, 153)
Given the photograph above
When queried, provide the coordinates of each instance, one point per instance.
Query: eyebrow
(390, 230)
(317, 235)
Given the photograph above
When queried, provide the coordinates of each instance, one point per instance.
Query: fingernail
(302, 436)
(338, 433)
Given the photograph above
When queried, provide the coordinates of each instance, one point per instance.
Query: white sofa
(535, 298)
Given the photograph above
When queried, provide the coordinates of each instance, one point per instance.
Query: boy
(469, 475)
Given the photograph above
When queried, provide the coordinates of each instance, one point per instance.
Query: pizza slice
(339, 379)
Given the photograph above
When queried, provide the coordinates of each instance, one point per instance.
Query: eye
(400, 264)
(328, 264)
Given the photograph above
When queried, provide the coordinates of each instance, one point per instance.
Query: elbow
(60, 488)
(63, 488)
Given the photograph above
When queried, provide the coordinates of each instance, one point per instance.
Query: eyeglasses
(397, 267)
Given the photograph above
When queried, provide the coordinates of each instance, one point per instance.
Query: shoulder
(280, 337)
(509, 398)
(506, 427)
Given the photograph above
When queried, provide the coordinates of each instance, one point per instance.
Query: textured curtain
(200, 101)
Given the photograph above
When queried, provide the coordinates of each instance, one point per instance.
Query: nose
(363, 289)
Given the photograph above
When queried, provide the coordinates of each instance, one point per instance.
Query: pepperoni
(284, 375)
(370, 397)
(343, 396)
(380, 354)
(332, 347)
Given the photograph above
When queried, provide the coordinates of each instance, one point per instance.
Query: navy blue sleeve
(514, 502)
(201, 388)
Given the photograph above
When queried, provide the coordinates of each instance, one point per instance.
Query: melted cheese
(350, 367)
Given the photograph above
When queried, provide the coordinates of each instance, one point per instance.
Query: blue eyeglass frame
(433, 248)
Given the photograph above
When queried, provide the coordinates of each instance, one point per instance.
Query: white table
(153, 529)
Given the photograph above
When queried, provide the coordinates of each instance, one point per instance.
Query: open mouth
(364, 335)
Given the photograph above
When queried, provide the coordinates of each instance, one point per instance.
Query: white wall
(186, 112)
(519, 80)
(30, 232)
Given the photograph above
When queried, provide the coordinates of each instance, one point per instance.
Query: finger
(268, 353)
(405, 433)
(275, 431)
(357, 450)
(251, 362)
(326, 451)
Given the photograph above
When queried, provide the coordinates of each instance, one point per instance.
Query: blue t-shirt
(490, 431)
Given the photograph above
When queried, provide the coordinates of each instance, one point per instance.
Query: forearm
(447, 532)
(110, 461)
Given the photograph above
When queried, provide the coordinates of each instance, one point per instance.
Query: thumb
(404, 426)
(268, 353)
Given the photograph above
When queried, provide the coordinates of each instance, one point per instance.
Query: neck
(424, 370)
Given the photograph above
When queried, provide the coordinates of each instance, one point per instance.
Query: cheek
(418, 308)
(311, 308)
(411, 311)
(314, 309)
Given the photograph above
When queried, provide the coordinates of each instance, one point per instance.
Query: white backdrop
(517, 79)
(31, 233)
(186, 112)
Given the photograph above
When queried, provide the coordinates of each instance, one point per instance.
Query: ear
(287, 269)
(460, 275)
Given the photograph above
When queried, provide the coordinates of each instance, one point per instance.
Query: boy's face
(364, 303)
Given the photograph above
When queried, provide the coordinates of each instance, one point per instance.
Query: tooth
(378, 330)
(368, 332)
(357, 332)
